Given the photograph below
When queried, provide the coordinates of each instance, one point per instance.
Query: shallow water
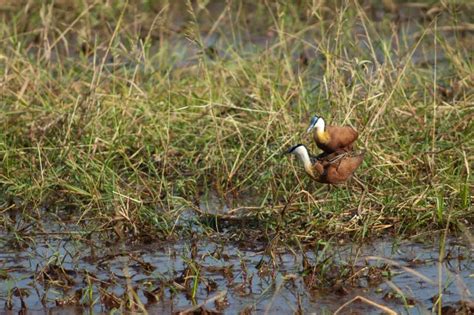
(58, 274)
(245, 275)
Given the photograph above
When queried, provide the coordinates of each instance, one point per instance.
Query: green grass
(122, 116)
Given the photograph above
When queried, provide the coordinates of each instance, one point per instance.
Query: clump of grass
(126, 114)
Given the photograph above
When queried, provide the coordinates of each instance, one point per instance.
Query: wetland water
(58, 274)
(62, 269)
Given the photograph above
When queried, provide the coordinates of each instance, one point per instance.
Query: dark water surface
(60, 275)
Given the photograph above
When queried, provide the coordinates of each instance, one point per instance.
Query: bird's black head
(293, 148)
(313, 123)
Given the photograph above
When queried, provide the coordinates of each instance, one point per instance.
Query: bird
(332, 139)
(335, 168)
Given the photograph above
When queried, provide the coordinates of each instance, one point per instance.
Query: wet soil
(58, 274)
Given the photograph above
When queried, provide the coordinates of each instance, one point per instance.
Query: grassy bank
(124, 117)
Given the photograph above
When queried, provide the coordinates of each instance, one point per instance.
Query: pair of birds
(338, 161)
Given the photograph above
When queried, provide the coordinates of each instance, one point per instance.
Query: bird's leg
(328, 192)
(364, 188)
(352, 191)
(349, 188)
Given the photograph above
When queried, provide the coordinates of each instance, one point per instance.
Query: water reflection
(161, 277)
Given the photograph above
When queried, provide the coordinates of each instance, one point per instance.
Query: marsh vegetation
(145, 133)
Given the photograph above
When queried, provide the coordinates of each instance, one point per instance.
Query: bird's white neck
(303, 155)
(320, 125)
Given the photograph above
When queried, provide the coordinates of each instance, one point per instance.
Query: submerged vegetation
(134, 120)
